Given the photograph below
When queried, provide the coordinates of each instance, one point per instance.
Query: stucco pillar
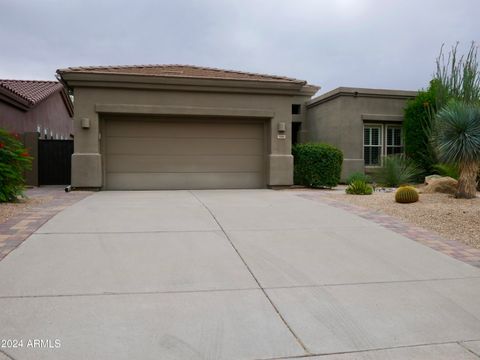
(86, 159)
(280, 157)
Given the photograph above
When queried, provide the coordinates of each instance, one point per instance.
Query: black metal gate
(55, 162)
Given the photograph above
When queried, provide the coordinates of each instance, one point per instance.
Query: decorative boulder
(445, 185)
(429, 178)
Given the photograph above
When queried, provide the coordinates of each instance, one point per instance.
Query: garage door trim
(253, 176)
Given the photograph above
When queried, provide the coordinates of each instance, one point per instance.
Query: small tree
(14, 160)
(457, 137)
(417, 128)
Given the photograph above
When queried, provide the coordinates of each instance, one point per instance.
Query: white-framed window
(372, 145)
(381, 140)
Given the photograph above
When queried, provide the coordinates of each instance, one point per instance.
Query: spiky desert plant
(359, 187)
(396, 170)
(406, 195)
(457, 138)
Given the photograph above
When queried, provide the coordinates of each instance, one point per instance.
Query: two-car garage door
(183, 153)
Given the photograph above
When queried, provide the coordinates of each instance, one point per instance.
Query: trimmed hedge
(317, 165)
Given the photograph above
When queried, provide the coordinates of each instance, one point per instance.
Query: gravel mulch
(8, 210)
(452, 218)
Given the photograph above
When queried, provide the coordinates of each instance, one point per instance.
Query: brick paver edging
(18, 228)
(453, 248)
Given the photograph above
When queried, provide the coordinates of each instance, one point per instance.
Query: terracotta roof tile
(187, 71)
(31, 91)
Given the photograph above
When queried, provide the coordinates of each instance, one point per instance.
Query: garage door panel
(183, 146)
(184, 164)
(175, 181)
(185, 154)
(182, 129)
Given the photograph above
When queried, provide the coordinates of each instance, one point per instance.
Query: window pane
(366, 136)
(397, 137)
(366, 155)
(375, 155)
(371, 155)
(397, 150)
(389, 136)
(375, 136)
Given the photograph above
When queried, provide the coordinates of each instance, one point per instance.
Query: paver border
(453, 248)
(19, 227)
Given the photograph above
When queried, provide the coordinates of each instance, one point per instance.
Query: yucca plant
(396, 170)
(457, 138)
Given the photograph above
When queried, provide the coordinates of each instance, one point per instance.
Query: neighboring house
(366, 124)
(182, 127)
(28, 106)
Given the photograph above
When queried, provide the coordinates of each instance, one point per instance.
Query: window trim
(383, 141)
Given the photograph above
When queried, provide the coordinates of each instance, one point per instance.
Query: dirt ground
(452, 218)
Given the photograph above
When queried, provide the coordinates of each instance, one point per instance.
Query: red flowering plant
(14, 160)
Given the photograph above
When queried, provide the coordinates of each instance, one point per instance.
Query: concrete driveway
(244, 274)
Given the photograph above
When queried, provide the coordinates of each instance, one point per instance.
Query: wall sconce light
(85, 123)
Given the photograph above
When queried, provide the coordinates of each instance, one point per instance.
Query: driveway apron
(231, 274)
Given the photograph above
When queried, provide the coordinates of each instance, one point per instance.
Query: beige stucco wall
(87, 159)
(338, 121)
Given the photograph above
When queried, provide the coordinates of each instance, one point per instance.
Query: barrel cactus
(406, 194)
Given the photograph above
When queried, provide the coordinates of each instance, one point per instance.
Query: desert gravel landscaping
(457, 219)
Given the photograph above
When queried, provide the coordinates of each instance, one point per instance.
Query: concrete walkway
(244, 274)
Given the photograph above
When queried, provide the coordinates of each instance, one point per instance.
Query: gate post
(30, 141)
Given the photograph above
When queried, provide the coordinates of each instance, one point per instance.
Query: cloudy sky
(330, 43)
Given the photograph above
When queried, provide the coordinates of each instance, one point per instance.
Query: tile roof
(30, 91)
(187, 71)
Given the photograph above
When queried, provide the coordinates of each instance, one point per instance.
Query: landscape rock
(445, 185)
(432, 177)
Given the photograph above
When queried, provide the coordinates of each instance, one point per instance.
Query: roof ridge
(166, 66)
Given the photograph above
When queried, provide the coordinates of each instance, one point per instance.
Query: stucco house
(182, 127)
(189, 127)
(366, 124)
(32, 106)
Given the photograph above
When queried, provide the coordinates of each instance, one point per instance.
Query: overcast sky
(330, 43)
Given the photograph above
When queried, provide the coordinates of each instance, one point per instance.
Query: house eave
(362, 92)
(79, 79)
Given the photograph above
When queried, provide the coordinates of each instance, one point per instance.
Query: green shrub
(447, 170)
(317, 165)
(417, 128)
(359, 187)
(14, 160)
(406, 195)
(358, 176)
(396, 170)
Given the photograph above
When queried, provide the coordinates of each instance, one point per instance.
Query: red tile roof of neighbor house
(31, 91)
(26, 94)
(187, 71)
